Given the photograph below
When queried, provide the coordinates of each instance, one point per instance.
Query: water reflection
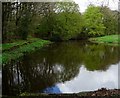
(0, 82)
(91, 80)
(58, 63)
(52, 90)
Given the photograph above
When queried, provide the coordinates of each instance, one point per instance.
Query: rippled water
(66, 67)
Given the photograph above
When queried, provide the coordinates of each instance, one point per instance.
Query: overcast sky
(113, 4)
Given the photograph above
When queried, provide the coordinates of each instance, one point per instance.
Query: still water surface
(66, 67)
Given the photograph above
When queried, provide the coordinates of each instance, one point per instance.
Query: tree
(93, 21)
(66, 6)
(68, 25)
(25, 20)
(16, 19)
(110, 19)
(6, 18)
(68, 20)
(60, 21)
(46, 21)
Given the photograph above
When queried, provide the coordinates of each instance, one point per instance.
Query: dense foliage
(62, 23)
(93, 19)
(110, 20)
(56, 21)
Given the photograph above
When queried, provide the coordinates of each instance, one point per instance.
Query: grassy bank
(13, 51)
(110, 39)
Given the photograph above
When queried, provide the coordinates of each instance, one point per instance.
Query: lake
(63, 67)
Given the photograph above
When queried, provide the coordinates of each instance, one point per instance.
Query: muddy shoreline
(102, 93)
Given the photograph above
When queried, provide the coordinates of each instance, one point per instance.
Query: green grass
(13, 51)
(8, 46)
(110, 39)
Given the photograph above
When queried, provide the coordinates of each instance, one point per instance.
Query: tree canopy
(93, 21)
(56, 21)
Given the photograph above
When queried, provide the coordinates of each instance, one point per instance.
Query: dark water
(66, 67)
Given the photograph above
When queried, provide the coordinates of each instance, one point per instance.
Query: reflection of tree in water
(93, 56)
(100, 57)
(58, 63)
(34, 75)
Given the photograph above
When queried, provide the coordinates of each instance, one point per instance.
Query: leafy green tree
(93, 21)
(45, 26)
(68, 25)
(110, 19)
(16, 19)
(66, 6)
(68, 20)
(61, 21)
(25, 20)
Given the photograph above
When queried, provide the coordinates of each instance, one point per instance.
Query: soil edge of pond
(103, 92)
